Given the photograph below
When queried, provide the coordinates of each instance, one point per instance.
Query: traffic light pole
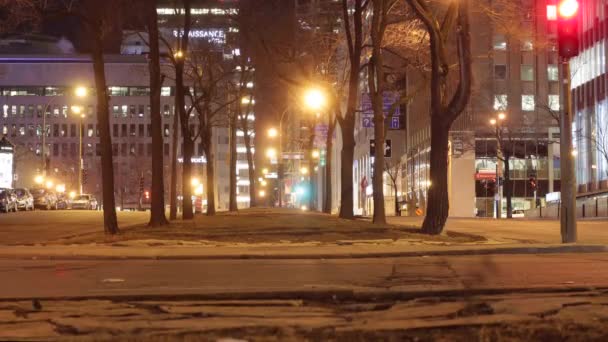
(568, 177)
(80, 157)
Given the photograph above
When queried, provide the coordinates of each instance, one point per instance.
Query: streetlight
(49, 184)
(271, 153)
(60, 188)
(81, 92)
(78, 111)
(496, 122)
(262, 193)
(39, 179)
(314, 99)
(195, 182)
(273, 132)
(304, 170)
(179, 54)
(315, 154)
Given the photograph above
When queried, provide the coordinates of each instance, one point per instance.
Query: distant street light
(314, 99)
(60, 188)
(273, 133)
(49, 184)
(195, 182)
(304, 170)
(39, 179)
(179, 54)
(78, 111)
(271, 153)
(72, 194)
(81, 91)
(315, 154)
(262, 193)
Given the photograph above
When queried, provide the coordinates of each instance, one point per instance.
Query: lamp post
(78, 111)
(80, 92)
(496, 122)
(315, 100)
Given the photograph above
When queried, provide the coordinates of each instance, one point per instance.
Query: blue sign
(368, 121)
(394, 124)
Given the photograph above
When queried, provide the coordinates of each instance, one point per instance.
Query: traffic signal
(84, 176)
(147, 195)
(532, 182)
(567, 27)
(141, 184)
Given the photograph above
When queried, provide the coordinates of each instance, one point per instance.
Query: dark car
(63, 201)
(44, 199)
(25, 200)
(8, 200)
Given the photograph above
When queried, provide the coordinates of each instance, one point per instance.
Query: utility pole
(567, 36)
(568, 176)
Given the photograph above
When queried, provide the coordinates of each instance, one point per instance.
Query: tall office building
(589, 101)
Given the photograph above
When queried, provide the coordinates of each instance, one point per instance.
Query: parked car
(44, 199)
(8, 200)
(25, 200)
(84, 201)
(518, 213)
(63, 202)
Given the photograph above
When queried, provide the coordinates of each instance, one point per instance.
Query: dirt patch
(272, 226)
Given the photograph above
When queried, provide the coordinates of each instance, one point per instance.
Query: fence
(593, 207)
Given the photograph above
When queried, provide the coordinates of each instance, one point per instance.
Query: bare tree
(353, 30)
(445, 109)
(157, 208)
(211, 83)
(392, 170)
(100, 19)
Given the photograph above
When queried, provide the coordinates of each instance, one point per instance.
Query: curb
(552, 249)
(333, 295)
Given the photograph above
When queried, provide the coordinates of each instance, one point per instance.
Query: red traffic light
(567, 9)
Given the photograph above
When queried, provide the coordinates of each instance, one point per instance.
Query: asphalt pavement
(108, 278)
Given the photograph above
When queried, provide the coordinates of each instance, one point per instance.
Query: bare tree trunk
(250, 169)
(210, 166)
(157, 205)
(174, 151)
(110, 222)
(438, 208)
(180, 96)
(354, 37)
(375, 86)
(233, 205)
(508, 187)
(397, 211)
(347, 157)
(311, 172)
(328, 166)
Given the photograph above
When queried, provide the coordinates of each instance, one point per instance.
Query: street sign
(367, 121)
(387, 148)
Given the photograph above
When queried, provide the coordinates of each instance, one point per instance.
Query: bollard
(583, 210)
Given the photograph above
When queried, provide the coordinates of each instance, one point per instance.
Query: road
(91, 278)
(32, 227)
(518, 230)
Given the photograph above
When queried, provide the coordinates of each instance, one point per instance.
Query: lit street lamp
(77, 110)
(314, 99)
(496, 122)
